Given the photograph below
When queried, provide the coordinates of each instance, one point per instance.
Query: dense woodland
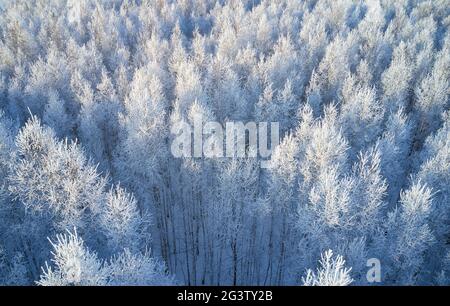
(90, 193)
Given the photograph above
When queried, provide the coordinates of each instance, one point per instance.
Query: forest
(356, 191)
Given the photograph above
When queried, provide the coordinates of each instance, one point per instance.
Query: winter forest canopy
(90, 193)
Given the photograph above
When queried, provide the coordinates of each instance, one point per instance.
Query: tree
(409, 234)
(41, 182)
(361, 114)
(395, 144)
(397, 79)
(433, 169)
(58, 188)
(55, 116)
(331, 273)
(432, 95)
(122, 222)
(75, 265)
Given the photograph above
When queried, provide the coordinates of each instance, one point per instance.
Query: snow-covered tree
(332, 272)
(73, 264)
